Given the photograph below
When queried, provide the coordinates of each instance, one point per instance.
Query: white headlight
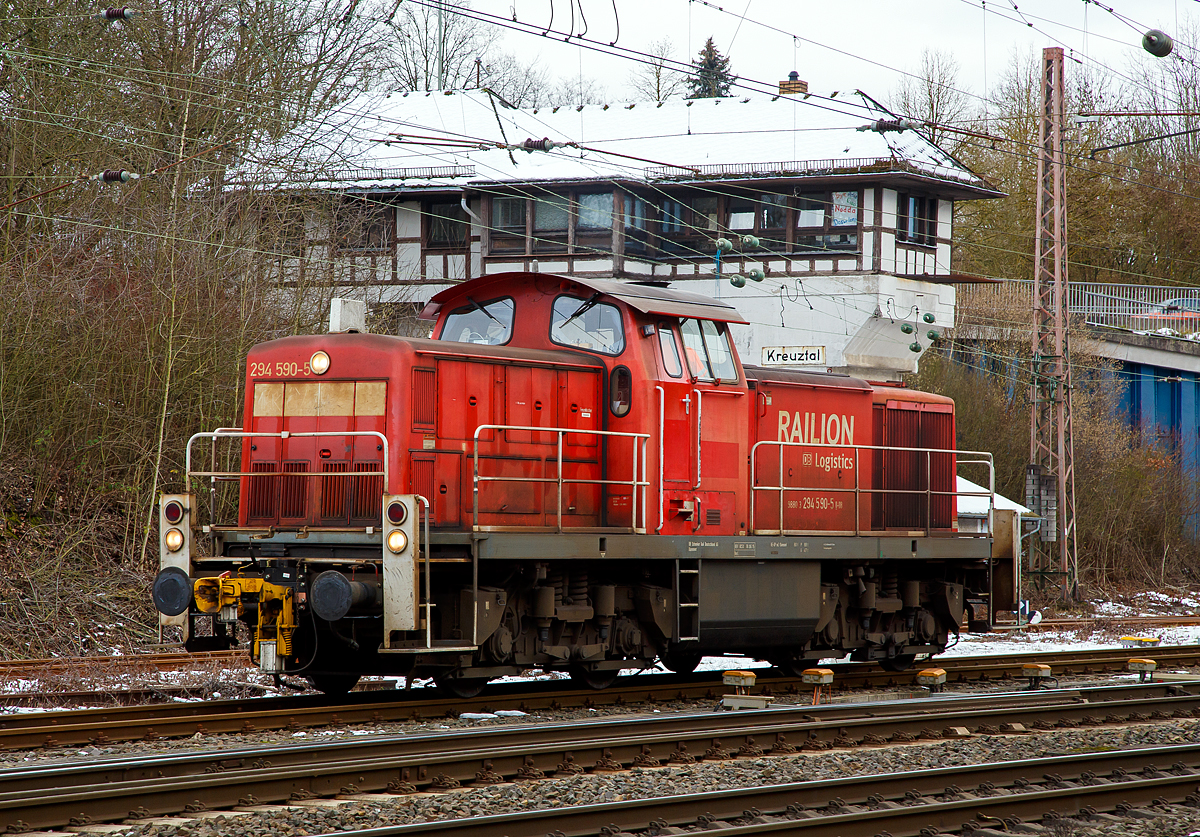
(397, 541)
(174, 540)
(319, 363)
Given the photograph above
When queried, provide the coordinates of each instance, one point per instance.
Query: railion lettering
(816, 428)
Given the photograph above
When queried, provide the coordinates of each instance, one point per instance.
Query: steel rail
(901, 804)
(127, 723)
(48, 796)
(169, 661)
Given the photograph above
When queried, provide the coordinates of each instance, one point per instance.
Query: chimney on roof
(793, 85)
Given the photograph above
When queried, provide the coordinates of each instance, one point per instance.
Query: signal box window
(551, 217)
(488, 324)
(706, 347)
(364, 226)
(827, 221)
(587, 324)
(916, 220)
(508, 225)
(447, 226)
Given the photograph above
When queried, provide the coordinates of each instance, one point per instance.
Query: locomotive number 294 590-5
(279, 369)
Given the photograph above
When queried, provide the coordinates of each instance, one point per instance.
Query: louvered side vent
(367, 491)
(262, 491)
(712, 517)
(293, 491)
(422, 482)
(937, 432)
(333, 492)
(903, 470)
(424, 398)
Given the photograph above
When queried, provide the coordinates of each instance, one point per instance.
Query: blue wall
(1164, 406)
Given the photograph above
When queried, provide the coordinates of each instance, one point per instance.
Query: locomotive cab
(572, 474)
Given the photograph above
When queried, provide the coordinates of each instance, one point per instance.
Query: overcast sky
(841, 38)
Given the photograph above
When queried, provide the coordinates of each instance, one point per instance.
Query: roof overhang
(952, 278)
(648, 299)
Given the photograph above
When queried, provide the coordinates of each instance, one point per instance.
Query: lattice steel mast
(1050, 481)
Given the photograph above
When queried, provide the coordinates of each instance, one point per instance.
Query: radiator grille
(367, 491)
(937, 431)
(262, 490)
(903, 470)
(293, 491)
(424, 397)
(712, 517)
(333, 491)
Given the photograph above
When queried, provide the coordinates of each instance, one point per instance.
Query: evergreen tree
(710, 73)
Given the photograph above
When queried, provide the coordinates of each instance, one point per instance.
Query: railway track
(175, 720)
(920, 802)
(166, 661)
(165, 784)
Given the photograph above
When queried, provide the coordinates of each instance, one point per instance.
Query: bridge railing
(1145, 308)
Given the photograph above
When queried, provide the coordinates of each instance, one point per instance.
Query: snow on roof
(972, 505)
(382, 141)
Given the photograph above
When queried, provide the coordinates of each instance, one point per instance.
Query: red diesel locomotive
(572, 474)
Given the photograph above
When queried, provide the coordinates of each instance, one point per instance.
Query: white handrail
(857, 490)
(634, 483)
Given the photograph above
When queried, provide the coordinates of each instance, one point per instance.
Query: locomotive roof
(649, 299)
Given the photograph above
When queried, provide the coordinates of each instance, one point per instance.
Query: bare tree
(427, 37)
(934, 96)
(574, 91)
(521, 85)
(656, 81)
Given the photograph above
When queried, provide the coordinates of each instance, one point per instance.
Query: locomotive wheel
(680, 662)
(461, 687)
(901, 662)
(594, 678)
(333, 684)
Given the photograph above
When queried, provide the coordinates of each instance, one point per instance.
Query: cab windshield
(488, 323)
(587, 324)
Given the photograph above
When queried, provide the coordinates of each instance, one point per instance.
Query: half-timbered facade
(840, 224)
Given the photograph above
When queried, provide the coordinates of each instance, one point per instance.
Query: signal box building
(839, 225)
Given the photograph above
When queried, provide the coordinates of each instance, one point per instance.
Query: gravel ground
(644, 783)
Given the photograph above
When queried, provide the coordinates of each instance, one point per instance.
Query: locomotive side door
(679, 469)
(720, 426)
(704, 426)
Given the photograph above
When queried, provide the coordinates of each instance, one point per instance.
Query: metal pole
(1051, 445)
(441, 47)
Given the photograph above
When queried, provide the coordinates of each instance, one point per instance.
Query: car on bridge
(1181, 314)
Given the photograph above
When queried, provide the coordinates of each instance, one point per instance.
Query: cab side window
(670, 350)
(706, 347)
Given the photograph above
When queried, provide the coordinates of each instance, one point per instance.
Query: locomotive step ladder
(687, 596)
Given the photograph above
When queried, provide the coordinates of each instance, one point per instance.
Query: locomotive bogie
(574, 475)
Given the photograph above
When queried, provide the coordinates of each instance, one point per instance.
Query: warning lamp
(173, 512)
(319, 363)
(173, 540)
(397, 541)
(397, 513)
